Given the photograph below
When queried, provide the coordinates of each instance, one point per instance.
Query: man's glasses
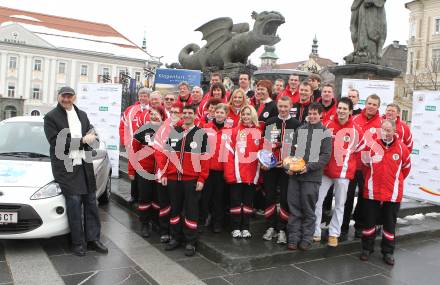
(169, 99)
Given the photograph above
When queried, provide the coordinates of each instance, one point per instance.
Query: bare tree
(428, 78)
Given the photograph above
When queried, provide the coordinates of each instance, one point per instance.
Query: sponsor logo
(346, 139)
(112, 147)
(415, 151)
(257, 142)
(84, 89)
(193, 145)
(430, 108)
(265, 115)
(103, 108)
(421, 98)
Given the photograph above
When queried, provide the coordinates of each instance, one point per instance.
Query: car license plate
(8, 217)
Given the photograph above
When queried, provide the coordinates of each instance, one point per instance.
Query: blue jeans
(91, 227)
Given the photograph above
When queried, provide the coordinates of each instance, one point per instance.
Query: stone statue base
(361, 71)
(231, 71)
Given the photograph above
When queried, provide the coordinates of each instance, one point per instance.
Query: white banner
(383, 88)
(102, 103)
(423, 182)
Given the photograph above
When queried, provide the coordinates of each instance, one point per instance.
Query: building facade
(41, 53)
(423, 65)
(395, 56)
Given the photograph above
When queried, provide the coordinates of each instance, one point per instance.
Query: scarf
(75, 132)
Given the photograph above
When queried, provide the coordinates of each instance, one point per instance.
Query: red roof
(60, 23)
(294, 65)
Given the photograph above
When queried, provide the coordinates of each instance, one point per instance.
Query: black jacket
(269, 111)
(279, 133)
(64, 174)
(314, 144)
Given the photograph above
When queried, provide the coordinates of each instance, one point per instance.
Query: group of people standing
(193, 162)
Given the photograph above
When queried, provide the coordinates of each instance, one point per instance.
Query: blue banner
(175, 76)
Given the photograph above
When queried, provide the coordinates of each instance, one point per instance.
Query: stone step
(409, 207)
(244, 255)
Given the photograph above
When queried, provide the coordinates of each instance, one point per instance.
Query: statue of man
(368, 31)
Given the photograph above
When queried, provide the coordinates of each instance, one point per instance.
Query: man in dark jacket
(311, 141)
(70, 136)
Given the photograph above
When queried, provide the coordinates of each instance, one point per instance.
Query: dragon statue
(228, 43)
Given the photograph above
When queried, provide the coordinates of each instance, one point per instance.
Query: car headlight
(50, 190)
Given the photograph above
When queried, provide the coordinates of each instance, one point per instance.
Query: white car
(31, 203)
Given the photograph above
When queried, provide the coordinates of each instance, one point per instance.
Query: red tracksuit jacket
(370, 129)
(287, 92)
(143, 153)
(386, 169)
(233, 118)
(328, 113)
(347, 143)
(404, 133)
(217, 145)
(185, 154)
(129, 123)
(243, 145)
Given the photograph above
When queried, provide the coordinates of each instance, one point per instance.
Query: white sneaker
(269, 234)
(246, 234)
(316, 238)
(282, 239)
(236, 234)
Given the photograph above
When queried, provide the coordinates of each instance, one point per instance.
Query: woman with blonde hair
(237, 101)
(242, 169)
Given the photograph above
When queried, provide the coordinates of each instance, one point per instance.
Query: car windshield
(23, 139)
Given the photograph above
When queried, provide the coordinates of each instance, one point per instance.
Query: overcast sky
(170, 25)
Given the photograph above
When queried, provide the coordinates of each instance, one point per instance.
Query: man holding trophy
(278, 134)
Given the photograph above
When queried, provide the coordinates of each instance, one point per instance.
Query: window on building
(137, 76)
(62, 68)
(84, 69)
(37, 65)
(436, 60)
(411, 62)
(36, 93)
(437, 26)
(35, 113)
(11, 90)
(106, 71)
(13, 62)
(412, 30)
(404, 115)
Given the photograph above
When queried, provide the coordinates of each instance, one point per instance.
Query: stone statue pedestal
(231, 71)
(361, 71)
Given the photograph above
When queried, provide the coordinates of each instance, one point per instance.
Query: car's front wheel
(105, 197)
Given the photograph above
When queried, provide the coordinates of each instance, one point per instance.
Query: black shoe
(378, 231)
(145, 231)
(97, 246)
(365, 255)
(216, 229)
(343, 236)
(190, 250)
(388, 258)
(357, 233)
(155, 227)
(164, 238)
(292, 246)
(172, 245)
(303, 245)
(78, 250)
